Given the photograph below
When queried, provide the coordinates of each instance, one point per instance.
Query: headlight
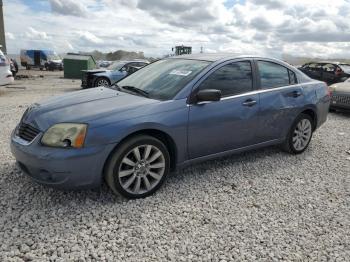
(65, 135)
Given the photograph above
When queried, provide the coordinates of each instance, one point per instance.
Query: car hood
(86, 106)
(94, 71)
(341, 87)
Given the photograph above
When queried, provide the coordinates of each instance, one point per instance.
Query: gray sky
(267, 27)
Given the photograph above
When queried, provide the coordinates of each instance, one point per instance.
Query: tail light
(328, 90)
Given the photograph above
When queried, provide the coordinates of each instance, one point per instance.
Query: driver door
(230, 123)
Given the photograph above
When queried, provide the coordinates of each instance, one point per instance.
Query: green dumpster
(74, 63)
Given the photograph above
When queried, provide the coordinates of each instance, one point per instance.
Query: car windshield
(54, 57)
(116, 66)
(165, 78)
(345, 67)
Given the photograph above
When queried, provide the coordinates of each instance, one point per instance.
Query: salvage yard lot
(264, 204)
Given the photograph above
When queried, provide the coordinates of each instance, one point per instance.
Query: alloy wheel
(102, 82)
(302, 134)
(141, 169)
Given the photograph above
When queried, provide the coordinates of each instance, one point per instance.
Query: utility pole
(2, 29)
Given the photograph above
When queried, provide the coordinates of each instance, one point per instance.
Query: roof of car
(131, 61)
(212, 57)
(329, 62)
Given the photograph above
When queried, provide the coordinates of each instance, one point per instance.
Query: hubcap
(141, 169)
(102, 82)
(302, 134)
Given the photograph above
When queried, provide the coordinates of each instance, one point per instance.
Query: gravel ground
(263, 205)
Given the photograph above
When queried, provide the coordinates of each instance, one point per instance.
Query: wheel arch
(312, 113)
(164, 137)
(101, 77)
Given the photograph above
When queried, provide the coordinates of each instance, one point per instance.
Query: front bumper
(58, 167)
(54, 66)
(86, 84)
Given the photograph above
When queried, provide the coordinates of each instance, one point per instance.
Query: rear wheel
(138, 167)
(300, 135)
(102, 81)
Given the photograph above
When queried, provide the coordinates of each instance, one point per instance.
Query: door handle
(295, 93)
(249, 102)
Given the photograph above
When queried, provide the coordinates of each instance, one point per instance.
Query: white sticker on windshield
(180, 72)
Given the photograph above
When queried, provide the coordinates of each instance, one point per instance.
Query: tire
(127, 176)
(102, 81)
(301, 130)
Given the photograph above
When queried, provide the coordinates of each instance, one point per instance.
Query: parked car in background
(329, 72)
(116, 71)
(340, 96)
(172, 113)
(104, 64)
(6, 76)
(42, 59)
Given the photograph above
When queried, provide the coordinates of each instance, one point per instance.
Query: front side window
(165, 78)
(232, 79)
(273, 75)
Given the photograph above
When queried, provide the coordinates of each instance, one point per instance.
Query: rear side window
(231, 79)
(292, 77)
(274, 75)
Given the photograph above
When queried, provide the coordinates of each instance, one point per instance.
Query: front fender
(172, 122)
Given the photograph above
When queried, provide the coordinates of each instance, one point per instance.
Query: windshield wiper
(136, 90)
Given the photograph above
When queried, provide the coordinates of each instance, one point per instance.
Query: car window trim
(274, 62)
(255, 92)
(190, 99)
(260, 91)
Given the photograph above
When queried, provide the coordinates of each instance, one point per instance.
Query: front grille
(27, 132)
(341, 99)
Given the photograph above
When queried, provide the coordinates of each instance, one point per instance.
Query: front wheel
(102, 81)
(300, 135)
(138, 167)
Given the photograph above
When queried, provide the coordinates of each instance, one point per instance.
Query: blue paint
(199, 131)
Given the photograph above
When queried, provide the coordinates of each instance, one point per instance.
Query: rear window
(345, 67)
(272, 75)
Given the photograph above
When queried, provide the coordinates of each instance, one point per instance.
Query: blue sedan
(172, 113)
(116, 71)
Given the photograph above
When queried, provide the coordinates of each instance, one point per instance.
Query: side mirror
(208, 95)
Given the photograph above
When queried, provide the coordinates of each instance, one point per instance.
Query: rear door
(230, 123)
(280, 99)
